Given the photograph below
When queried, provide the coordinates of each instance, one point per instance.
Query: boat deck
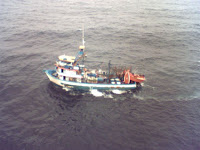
(83, 80)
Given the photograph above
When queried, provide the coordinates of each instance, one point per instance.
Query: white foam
(96, 93)
(118, 91)
(108, 96)
(66, 89)
(142, 84)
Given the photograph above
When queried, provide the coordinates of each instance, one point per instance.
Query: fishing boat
(71, 73)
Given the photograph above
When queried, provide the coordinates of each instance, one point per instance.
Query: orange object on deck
(137, 78)
(127, 77)
(133, 77)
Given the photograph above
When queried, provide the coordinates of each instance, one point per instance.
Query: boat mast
(83, 42)
(81, 53)
(109, 64)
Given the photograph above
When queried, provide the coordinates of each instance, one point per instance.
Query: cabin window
(62, 70)
(64, 77)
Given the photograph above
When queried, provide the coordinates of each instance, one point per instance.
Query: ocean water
(157, 38)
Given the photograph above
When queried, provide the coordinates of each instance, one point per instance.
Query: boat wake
(146, 85)
(138, 97)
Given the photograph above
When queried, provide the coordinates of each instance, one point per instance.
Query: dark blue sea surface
(160, 39)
